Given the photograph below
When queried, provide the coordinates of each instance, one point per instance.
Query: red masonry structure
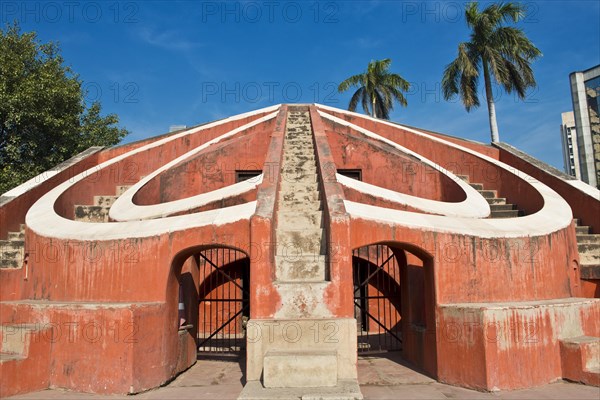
(300, 236)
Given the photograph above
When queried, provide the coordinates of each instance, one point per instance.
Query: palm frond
(468, 91)
(355, 98)
(355, 80)
(378, 88)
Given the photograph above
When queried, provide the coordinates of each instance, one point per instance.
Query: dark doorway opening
(224, 305)
(377, 299)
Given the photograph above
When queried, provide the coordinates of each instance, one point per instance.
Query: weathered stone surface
(300, 369)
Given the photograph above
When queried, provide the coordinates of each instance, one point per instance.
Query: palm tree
(377, 89)
(502, 51)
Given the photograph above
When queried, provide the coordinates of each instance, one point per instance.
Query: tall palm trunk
(373, 105)
(490, 103)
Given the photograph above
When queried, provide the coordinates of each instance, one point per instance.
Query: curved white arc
(530, 225)
(132, 212)
(474, 205)
(466, 208)
(125, 201)
(43, 219)
(53, 225)
(554, 215)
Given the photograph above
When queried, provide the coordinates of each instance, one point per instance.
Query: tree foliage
(377, 89)
(503, 52)
(44, 118)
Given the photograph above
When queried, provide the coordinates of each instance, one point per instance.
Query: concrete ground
(380, 377)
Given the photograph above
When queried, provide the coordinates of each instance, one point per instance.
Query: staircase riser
(590, 271)
(16, 236)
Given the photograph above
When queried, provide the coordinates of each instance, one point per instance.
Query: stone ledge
(300, 369)
(344, 390)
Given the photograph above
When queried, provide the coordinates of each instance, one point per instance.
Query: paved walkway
(379, 378)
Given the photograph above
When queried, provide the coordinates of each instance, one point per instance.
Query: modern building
(298, 237)
(568, 136)
(175, 128)
(585, 92)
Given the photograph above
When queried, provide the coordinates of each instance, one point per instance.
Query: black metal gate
(224, 302)
(377, 299)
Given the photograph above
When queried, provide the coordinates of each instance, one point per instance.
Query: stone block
(300, 369)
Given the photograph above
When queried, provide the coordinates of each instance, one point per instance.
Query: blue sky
(161, 63)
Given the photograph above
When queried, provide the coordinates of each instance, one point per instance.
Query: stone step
(463, 177)
(299, 134)
(304, 268)
(580, 359)
(476, 186)
(592, 255)
(12, 254)
(11, 244)
(300, 206)
(295, 157)
(300, 369)
(496, 200)
(582, 230)
(16, 235)
(9, 263)
(304, 150)
(294, 154)
(298, 170)
(296, 173)
(22, 228)
(298, 157)
(300, 176)
(489, 194)
(591, 271)
(295, 185)
(298, 125)
(344, 390)
(505, 214)
(87, 213)
(502, 207)
(294, 218)
(104, 201)
(589, 248)
(298, 139)
(299, 241)
(299, 195)
(576, 220)
(588, 238)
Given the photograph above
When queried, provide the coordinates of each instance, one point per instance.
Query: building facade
(568, 136)
(585, 92)
(299, 236)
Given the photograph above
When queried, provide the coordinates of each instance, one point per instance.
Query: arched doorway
(394, 303)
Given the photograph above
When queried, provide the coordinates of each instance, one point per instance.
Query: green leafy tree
(377, 89)
(44, 119)
(503, 52)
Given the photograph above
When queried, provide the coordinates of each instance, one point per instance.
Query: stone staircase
(305, 367)
(12, 250)
(300, 249)
(98, 212)
(498, 205)
(580, 359)
(588, 245)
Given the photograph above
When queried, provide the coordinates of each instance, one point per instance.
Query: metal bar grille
(224, 302)
(377, 300)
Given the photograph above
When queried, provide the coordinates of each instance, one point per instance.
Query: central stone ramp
(303, 351)
(300, 251)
